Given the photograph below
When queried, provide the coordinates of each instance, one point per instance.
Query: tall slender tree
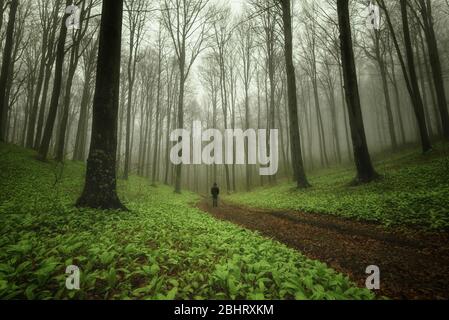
(6, 67)
(137, 13)
(160, 43)
(50, 56)
(246, 45)
(89, 57)
(295, 139)
(416, 95)
(221, 27)
(57, 86)
(409, 71)
(365, 169)
(186, 22)
(425, 7)
(75, 54)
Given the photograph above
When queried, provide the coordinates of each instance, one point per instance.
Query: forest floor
(163, 248)
(301, 245)
(399, 223)
(412, 192)
(413, 264)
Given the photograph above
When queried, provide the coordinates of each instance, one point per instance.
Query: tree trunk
(100, 186)
(6, 67)
(281, 130)
(156, 132)
(345, 115)
(128, 134)
(259, 110)
(435, 63)
(398, 99)
(271, 114)
(43, 105)
(34, 109)
(320, 127)
(416, 96)
(247, 125)
(365, 169)
(383, 74)
(120, 126)
(144, 143)
(333, 107)
(60, 145)
(295, 139)
(422, 83)
(57, 84)
(30, 90)
(80, 142)
(431, 85)
(180, 123)
(131, 78)
(167, 141)
(142, 133)
(248, 168)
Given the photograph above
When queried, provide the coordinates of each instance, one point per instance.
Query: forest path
(413, 264)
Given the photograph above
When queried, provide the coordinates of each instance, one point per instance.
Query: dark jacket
(215, 191)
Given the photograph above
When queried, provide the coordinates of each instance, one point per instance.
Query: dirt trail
(413, 265)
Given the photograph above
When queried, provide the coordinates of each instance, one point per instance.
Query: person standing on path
(215, 191)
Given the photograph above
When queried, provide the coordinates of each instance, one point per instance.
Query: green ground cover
(413, 191)
(163, 249)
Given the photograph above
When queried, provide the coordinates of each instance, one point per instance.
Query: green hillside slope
(413, 191)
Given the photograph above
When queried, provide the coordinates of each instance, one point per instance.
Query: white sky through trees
(194, 87)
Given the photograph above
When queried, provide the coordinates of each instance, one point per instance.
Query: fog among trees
(339, 89)
(224, 150)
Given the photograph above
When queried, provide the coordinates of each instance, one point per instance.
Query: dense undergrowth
(162, 249)
(413, 191)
